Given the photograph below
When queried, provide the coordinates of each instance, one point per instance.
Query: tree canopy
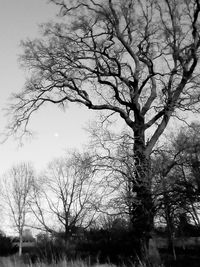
(138, 59)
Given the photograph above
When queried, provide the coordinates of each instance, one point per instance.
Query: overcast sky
(55, 130)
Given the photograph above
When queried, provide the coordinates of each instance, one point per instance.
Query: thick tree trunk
(142, 204)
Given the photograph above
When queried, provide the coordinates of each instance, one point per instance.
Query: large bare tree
(16, 189)
(136, 59)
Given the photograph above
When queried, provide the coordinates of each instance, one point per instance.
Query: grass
(16, 262)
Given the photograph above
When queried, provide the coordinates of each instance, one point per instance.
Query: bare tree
(136, 59)
(113, 159)
(68, 196)
(176, 183)
(16, 190)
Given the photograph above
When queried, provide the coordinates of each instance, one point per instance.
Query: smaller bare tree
(114, 161)
(16, 189)
(67, 197)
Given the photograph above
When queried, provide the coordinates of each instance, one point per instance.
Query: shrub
(6, 246)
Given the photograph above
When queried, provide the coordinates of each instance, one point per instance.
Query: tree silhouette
(136, 59)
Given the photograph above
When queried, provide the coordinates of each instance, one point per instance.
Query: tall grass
(17, 262)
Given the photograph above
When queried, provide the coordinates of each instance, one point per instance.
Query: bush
(114, 245)
(107, 246)
(6, 246)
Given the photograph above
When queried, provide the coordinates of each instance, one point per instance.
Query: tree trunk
(169, 220)
(20, 243)
(170, 232)
(67, 234)
(142, 205)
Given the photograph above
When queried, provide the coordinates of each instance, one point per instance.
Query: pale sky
(56, 131)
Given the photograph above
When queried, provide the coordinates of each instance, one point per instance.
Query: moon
(56, 135)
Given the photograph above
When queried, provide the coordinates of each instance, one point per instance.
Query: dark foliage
(6, 246)
(96, 245)
(49, 250)
(108, 246)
